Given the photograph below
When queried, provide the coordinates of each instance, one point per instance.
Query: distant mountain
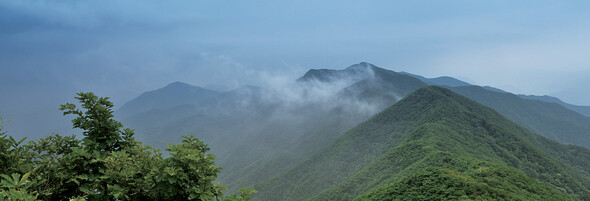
(585, 110)
(435, 144)
(368, 83)
(452, 82)
(205, 113)
(172, 95)
(365, 77)
(494, 89)
(355, 73)
(387, 81)
(544, 118)
(440, 81)
(447, 81)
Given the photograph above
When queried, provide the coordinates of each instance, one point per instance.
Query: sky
(51, 49)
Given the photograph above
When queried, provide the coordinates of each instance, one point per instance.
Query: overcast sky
(50, 49)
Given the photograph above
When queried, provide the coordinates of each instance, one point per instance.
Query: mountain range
(334, 135)
(435, 134)
(452, 82)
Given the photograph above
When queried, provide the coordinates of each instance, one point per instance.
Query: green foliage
(243, 196)
(175, 179)
(15, 187)
(107, 164)
(102, 133)
(486, 182)
(9, 152)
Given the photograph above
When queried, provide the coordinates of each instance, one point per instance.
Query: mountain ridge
(169, 96)
(354, 72)
(440, 81)
(548, 119)
(453, 82)
(327, 174)
(585, 110)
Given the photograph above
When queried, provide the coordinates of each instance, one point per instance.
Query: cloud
(292, 97)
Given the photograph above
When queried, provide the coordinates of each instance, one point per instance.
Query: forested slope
(438, 133)
(544, 118)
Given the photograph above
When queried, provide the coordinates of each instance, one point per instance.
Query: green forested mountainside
(547, 119)
(436, 128)
(310, 143)
(479, 182)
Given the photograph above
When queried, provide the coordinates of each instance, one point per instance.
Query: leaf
(16, 178)
(171, 180)
(21, 140)
(74, 180)
(25, 178)
(83, 176)
(6, 177)
(117, 195)
(84, 188)
(7, 182)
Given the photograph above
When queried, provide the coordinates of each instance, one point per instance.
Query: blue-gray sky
(51, 49)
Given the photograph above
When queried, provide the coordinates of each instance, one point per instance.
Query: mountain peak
(178, 84)
(361, 66)
(169, 96)
(430, 98)
(355, 72)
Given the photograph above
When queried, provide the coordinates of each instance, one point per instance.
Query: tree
(107, 164)
(188, 173)
(102, 137)
(102, 133)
